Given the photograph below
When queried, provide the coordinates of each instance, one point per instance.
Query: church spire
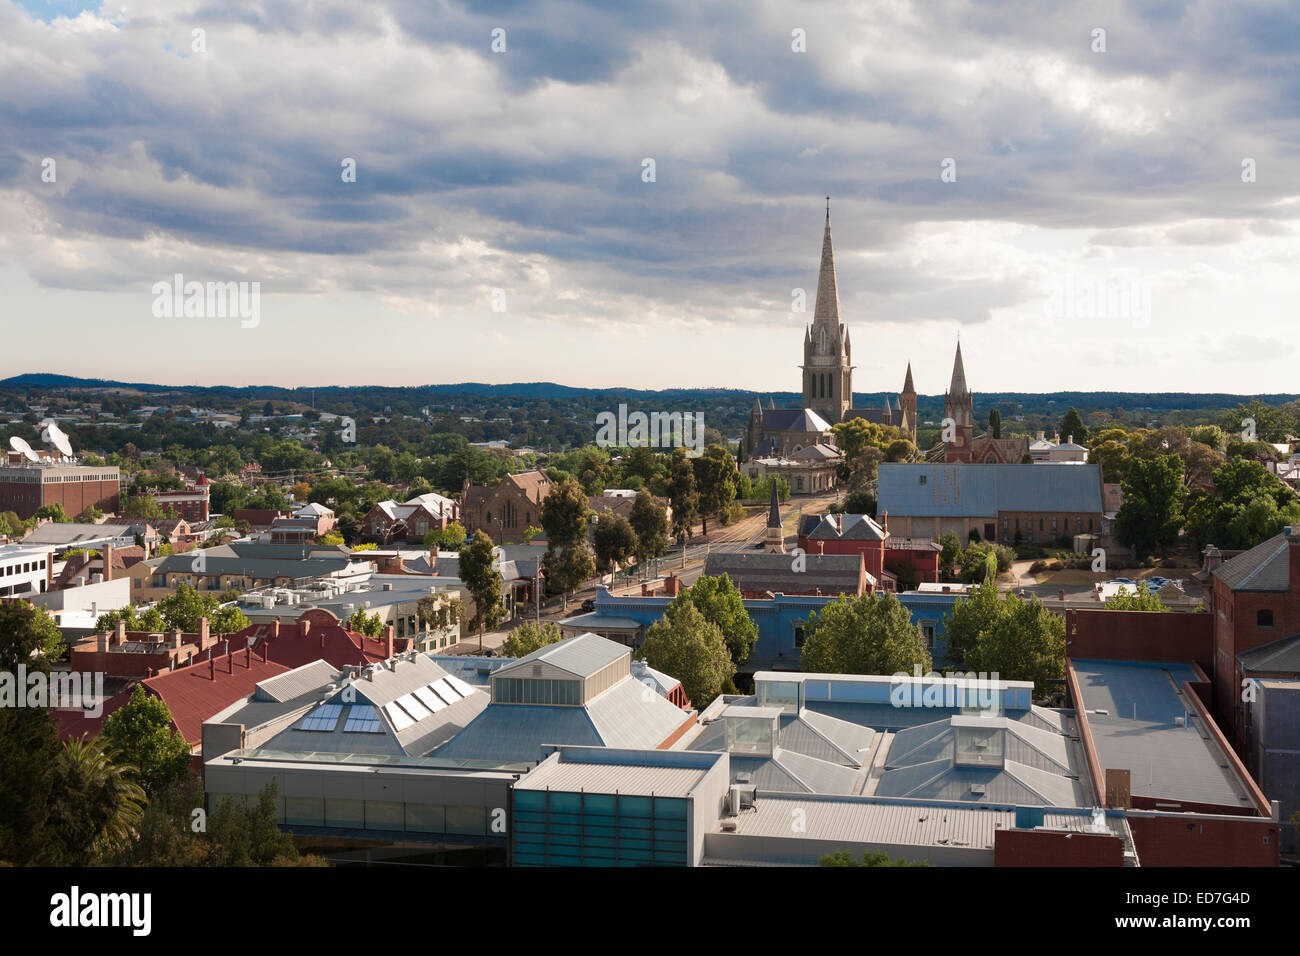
(958, 386)
(828, 291)
(908, 387)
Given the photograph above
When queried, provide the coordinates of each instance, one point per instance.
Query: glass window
(304, 811)
(345, 814)
(426, 817)
(385, 815)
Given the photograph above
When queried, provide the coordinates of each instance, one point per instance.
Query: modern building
(25, 570)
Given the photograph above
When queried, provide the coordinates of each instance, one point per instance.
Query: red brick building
(882, 553)
(506, 510)
(26, 488)
(190, 504)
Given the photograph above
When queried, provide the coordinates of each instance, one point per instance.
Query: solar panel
(363, 719)
(323, 717)
(413, 707)
(457, 684)
(445, 690)
(430, 699)
(400, 718)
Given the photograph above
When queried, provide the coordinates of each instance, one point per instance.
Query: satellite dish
(20, 445)
(54, 435)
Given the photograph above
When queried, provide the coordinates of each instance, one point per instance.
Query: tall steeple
(828, 290)
(827, 372)
(958, 386)
(907, 402)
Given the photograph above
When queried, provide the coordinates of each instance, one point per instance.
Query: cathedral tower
(827, 372)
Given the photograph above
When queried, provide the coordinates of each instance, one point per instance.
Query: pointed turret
(828, 290)
(908, 387)
(889, 409)
(958, 387)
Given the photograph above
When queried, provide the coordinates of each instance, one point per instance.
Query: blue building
(781, 621)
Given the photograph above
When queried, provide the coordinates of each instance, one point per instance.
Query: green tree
(1152, 512)
(528, 637)
(53, 512)
(649, 521)
(684, 645)
(143, 507)
(614, 541)
(95, 805)
(950, 554)
(866, 634)
(719, 602)
(682, 494)
(1024, 641)
(715, 478)
(1249, 506)
(870, 858)
(1143, 600)
(1073, 428)
(449, 538)
(972, 615)
(29, 742)
(371, 625)
(137, 619)
(89, 515)
(564, 517)
(995, 423)
(11, 524)
(226, 620)
(141, 735)
(482, 581)
(185, 607)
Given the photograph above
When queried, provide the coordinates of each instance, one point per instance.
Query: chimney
(1293, 557)
(672, 585)
(101, 642)
(1060, 595)
(108, 562)
(176, 638)
(304, 627)
(388, 641)
(248, 655)
(820, 546)
(275, 628)
(119, 635)
(212, 667)
(1069, 440)
(204, 632)
(884, 521)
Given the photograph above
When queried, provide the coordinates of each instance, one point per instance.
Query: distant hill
(1029, 402)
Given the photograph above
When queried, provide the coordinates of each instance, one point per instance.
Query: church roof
(774, 514)
(828, 292)
(958, 386)
(793, 420)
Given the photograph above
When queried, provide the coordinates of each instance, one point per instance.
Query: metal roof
(959, 490)
(1265, 567)
(659, 773)
(1138, 732)
(581, 656)
(1275, 657)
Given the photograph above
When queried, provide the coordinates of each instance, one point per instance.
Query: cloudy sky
(1121, 209)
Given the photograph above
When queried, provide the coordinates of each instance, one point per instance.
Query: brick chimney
(821, 545)
(101, 642)
(204, 632)
(388, 641)
(304, 627)
(212, 668)
(672, 585)
(1293, 557)
(275, 629)
(177, 637)
(119, 634)
(108, 562)
(884, 521)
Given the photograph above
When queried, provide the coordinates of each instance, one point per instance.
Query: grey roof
(956, 490)
(296, 683)
(623, 716)
(664, 773)
(760, 571)
(60, 533)
(1137, 733)
(782, 419)
(386, 687)
(848, 527)
(1276, 657)
(294, 568)
(597, 619)
(581, 656)
(1040, 767)
(1265, 567)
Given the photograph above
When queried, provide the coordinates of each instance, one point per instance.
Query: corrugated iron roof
(959, 490)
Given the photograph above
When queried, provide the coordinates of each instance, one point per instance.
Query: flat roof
(1142, 700)
(664, 773)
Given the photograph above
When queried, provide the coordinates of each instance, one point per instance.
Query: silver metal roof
(582, 656)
